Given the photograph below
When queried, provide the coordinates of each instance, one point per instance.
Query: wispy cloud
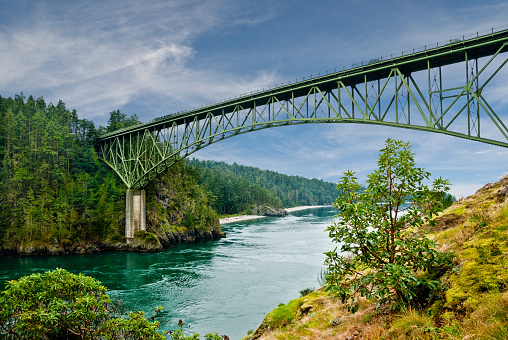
(118, 52)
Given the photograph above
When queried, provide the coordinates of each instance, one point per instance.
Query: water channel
(225, 286)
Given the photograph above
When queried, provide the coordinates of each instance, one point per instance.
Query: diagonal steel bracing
(421, 91)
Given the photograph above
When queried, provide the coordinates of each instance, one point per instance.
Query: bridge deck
(453, 52)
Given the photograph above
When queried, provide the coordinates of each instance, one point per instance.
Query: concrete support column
(135, 212)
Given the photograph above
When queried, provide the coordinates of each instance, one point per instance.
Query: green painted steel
(426, 90)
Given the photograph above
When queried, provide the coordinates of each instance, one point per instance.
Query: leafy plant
(61, 305)
(382, 247)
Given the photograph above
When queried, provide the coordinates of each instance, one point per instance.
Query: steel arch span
(443, 89)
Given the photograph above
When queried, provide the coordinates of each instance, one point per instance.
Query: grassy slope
(474, 307)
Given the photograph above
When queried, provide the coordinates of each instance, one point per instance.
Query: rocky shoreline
(152, 241)
(143, 242)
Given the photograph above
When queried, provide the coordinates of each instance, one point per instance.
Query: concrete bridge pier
(135, 212)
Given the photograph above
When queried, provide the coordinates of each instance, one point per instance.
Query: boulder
(268, 211)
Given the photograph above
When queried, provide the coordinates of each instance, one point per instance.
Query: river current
(226, 285)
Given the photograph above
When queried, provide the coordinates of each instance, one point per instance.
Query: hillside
(474, 306)
(57, 197)
(236, 187)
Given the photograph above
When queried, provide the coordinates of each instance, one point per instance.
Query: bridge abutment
(135, 212)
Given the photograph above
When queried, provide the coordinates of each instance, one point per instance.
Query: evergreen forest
(54, 188)
(58, 197)
(236, 187)
(57, 194)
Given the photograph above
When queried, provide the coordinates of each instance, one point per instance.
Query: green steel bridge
(441, 88)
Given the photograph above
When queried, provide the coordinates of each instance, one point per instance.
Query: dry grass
(330, 319)
(489, 321)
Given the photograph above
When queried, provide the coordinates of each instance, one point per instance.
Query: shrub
(61, 305)
(382, 244)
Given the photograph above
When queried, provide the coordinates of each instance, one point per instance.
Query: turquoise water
(226, 285)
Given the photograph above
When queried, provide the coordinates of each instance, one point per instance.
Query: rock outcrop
(268, 211)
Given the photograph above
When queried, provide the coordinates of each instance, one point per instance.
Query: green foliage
(384, 254)
(118, 120)
(229, 193)
(147, 236)
(236, 188)
(446, 199)
(55, 191)
(176, 200)
(306, 291)
(61, 305)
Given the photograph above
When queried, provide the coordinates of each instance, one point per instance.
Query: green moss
(315, 323)
(484, 268)
(455, 296)
(147, 237)
(459, 210)
(470, 253)
(286, 313)
(178, 228)
(448, 235)
(474, 279)
(435, 308)
(283, 314)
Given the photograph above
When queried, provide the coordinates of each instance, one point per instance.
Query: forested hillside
(54, 189)
(235, 187)
(58, 197)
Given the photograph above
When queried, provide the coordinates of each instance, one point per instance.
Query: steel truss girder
(139, 154)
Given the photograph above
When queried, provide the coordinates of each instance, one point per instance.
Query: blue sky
(152, 58)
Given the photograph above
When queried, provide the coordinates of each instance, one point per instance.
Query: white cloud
(111, 57)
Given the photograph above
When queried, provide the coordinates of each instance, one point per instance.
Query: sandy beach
(306, 207)
(254, 217)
